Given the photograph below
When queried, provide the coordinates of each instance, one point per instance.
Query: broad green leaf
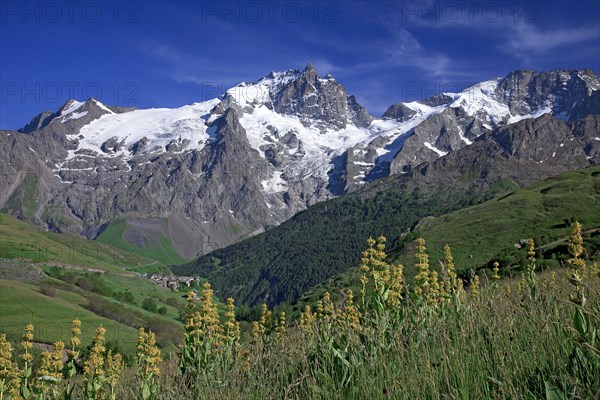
(553, 393)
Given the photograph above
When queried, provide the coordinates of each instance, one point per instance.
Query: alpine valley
(185, 183)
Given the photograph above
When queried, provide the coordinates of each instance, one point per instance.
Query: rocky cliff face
(563, 93)
(314, 99)
(460, 118)
(209, 174)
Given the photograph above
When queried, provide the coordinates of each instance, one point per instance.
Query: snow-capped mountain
(208, 174)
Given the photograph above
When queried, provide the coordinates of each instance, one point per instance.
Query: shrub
(149, 304)
(47, 289)
(171, 301)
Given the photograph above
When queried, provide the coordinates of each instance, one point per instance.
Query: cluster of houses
(173, 282)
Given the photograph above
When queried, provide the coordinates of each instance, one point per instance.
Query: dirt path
(343, 297)
(564, 239)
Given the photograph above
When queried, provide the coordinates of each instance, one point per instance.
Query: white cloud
(525, 38)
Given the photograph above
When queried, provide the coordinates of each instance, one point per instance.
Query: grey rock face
(437, 100)
(400, 112)
(589, 105)
(445, 132)
(316, 99)
(542, 140)
(524, 91)
(587, 133)
(38, 122)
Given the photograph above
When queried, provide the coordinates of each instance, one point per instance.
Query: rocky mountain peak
(325, 100)
(322, 102)
(310, 71)
(73, 112)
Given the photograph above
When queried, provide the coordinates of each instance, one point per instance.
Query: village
(173, 282)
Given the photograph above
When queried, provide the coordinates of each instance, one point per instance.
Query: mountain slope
(22, 241)
(478, 236)
(326, 239)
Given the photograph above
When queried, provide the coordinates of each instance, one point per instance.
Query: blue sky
(167, 54)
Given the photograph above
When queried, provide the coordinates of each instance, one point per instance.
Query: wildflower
(475, 285)
(6, 363)
(576, 264)
(372, 261)
(26, 344)
(9, 374)
(319, 309)
(148, 353)
(256, 330)
(57, 355)
(280, 326)
(326, 308)
(495, 271)
(422, 280)
(189, 301)
(306, 320)
(531, 278)
(93, 367)
(148, 357)
(530, 248)
(350, 316)
(27, 357)
(51, 362)
(436, 288)
(114, 370)
(203, 338)
(265, 322)
(450, 269)
(75, 332)
(395, 284)
(209, 313)
(231, 326)
(70, 369)
(363, 281)
(576, 240)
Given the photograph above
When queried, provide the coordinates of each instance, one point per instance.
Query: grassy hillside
(527, 338)
(50, 279)
(160, 249)
(491, 230)
(24, 198)
(22, 303)
(23, 241)
(55, 295)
